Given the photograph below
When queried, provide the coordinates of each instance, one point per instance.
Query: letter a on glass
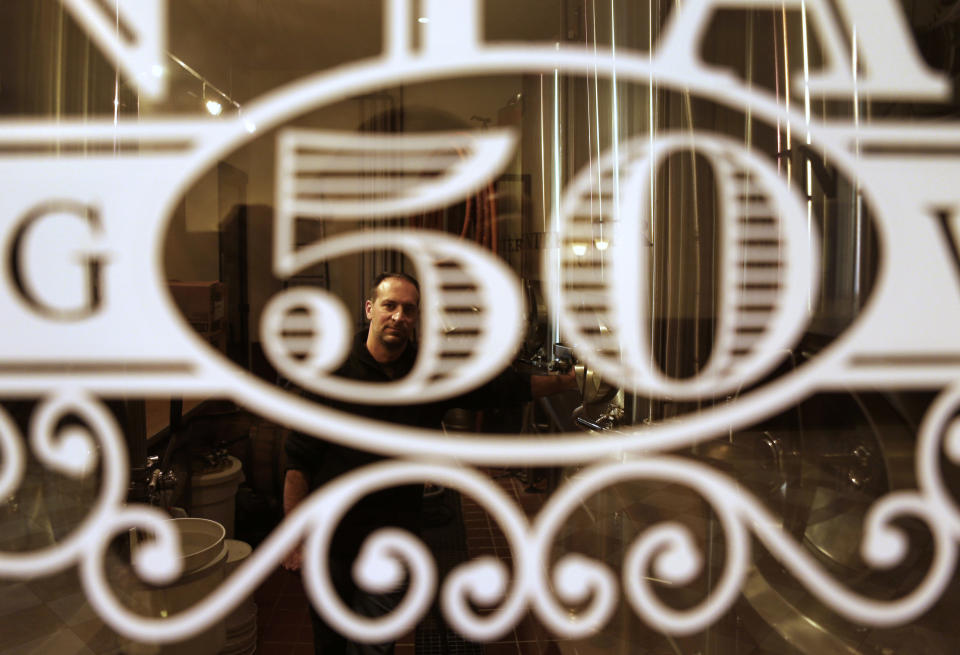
(889, 64)
(133, 34)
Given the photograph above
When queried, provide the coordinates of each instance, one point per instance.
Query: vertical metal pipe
(808, 168)
(857, 196)
(556, 181)
(651, 124)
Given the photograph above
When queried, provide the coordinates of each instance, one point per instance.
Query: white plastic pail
(213, 493)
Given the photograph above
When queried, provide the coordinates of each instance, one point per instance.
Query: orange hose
(466, 220)
(492, 196)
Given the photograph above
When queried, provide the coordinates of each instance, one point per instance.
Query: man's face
(393, 314)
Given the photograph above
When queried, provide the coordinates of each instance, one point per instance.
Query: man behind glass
(383, 352)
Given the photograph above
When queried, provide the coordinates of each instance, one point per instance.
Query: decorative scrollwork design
(667, 548)
(940, 434)
(485, 580)
(666, 551)
(669, 551)
(578, 579)
(883, 546)
(70, 449)
(12, 456)
(379, 566)
(482, 581)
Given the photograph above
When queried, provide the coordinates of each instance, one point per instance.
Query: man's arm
(546, 385)
(511, 388)
(295, 489)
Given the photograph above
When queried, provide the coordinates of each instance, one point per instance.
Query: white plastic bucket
(213, 493)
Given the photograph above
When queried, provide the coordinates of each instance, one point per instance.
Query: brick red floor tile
(274, 649)
(281, 634)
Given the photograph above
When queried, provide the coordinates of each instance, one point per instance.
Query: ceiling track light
(213, 105)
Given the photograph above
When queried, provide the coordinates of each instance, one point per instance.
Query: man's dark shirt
(322, 461)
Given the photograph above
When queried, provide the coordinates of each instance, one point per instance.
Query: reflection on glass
(672, 263)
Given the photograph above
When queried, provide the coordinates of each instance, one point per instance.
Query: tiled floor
(484, 537)
(283, 623)
(50, 615)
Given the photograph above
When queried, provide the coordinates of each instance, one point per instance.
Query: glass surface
(818, 465)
